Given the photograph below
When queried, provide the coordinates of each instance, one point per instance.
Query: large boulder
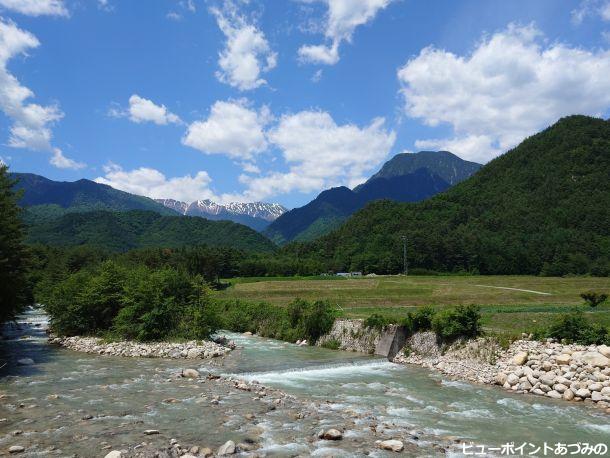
(190, 373)
(604, 350)
(392, 445)
(228, 448)
(520, 358)
(332, 434)
(595, 359)
(25, 361)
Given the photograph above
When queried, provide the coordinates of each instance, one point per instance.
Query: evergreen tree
(15, 291)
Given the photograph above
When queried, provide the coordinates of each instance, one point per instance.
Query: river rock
(568, 395)
(604, 350)
(190, 373)
(391, 444)
(151, 432)
(520, 358)
(332, 434)
(114, 454)
(554, 394)
(595, 359)
(596, 396)
(16, 449)
(228, 448)
(583, 393)
(560, 387)
(563, 359)
(25, 361)
(512, 379)
(206, 452)
(501, 378)
(193, 353)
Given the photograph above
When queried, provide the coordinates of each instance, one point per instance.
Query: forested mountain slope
(543, 207)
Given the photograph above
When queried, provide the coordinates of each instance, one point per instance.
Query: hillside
(48, 199)
(407, 177)
(541, 208)
(121, 231)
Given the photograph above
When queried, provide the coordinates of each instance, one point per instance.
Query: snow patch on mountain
(267, 211)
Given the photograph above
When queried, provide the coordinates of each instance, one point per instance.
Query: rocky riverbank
(550, 369)
(351, 335)
(192, 349)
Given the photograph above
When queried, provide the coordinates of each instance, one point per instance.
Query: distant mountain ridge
(407, 177)
(54, 198)
(122, 231)
(446, 165)
(256, 215)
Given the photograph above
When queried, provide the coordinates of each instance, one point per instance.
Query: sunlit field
(510, 304)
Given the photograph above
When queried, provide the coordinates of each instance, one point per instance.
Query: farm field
(510, 304)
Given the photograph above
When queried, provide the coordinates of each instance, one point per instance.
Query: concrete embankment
(559, 371)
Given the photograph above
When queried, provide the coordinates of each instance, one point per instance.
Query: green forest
(542, 208)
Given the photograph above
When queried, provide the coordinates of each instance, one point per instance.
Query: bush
(332, 344)
(376, 321)
(594, 299)
(574, 327)
(461, 321)
(139, 304)
(420, 320)
(299, 320)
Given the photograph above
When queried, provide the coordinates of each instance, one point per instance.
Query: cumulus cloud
(36, 7)
(150, 182)
(247, 53)
(62, 162)
(142, 110)
(591, 8)
(320, 153)
(341, 20)
(509, 87)
(31, 123)
(232, 129)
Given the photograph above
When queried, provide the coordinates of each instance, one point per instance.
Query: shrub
(575, 327)
(318, 320)
(332, 344)
(594, 299)
(420, 320)
(376, 321)
(461, 321)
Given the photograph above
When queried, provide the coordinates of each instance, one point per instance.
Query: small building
(355, 274)
(343, 274)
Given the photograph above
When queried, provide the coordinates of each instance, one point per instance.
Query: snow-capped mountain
(257, 215)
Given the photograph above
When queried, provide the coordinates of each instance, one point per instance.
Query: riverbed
(70, 403)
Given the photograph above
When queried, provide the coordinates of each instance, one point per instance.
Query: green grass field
(509, 311)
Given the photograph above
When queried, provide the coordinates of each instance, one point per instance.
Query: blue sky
(277, 100)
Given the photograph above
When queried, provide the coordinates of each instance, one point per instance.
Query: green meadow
(509, 304)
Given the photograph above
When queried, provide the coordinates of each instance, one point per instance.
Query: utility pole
(404, 254)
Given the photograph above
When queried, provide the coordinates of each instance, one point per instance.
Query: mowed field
(510, 304)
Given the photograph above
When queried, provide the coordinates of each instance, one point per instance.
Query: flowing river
(76, 404)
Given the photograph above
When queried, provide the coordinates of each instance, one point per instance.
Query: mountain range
(407, 177)
(48, 198)
(541, 208)
(257, 215)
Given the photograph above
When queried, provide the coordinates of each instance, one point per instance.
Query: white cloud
(509, 87)
(105, 5)
(36, 7)
(317, 76)
(247, 53)
(341, 20)
(152, 183)
(62, 162)
(232, 129)
(320, 154)
(32, 123)
(142, 110)
(591, 8)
